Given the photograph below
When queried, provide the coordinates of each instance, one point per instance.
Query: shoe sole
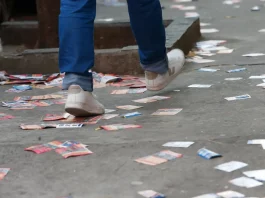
(79, 110)
(158, 88)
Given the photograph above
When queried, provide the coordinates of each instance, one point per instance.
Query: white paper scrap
(226, 51)
(262, 30)
(256, 174)
(199, 60)
(210, 43)
(241, 97)
(200, 86)
(253, 54)
(204, 24)
(216, 48)
(178, 144)
(257, 77)
(231, 166)
(257, 141)
(208, 70)
(245, 182)
(210, 30)
(150, 194)
(177, 6)
(208, 196)
(261, 85)
(230, 194)
(188, 8)
(191, 15)
(231, 79)
(109, 110)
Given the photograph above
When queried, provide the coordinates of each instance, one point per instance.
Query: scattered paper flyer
(232, 79)
(210, 44)
(212, 195)
(4, 116)
(199, 60)
(129, 107)
(236, 70)
(93, 120)
(231, 2)
(159, 158)
(109, 116)
(37, 127)
(207, 154)
(191, 15)
(257, 77)
(151, 160)
(262, 30)
(53, 117)
(231, 166)
(215, 48)
(22, 87)
(69, 126)
(166, 112)
(38, 149)
(186, 8)
(253, 55)
(73, 150)
(204, 24)
(226, 51)
(115, 127)
(261, 85)
(178, 144)
(3, 172)
(109, 110)
(199, 86)
(241, 97)
(168, 155)
(208, 70)
(256, 174)
(41, 97)
(210, 30)
(245, 182)
(151, 99)
(230, 194)
(70, 143)
(130, 115)
(151, 194)
(257, 141)
(43, 86)
(137, 90)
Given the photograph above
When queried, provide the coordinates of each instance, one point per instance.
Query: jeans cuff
(85, 82)
(159, 67)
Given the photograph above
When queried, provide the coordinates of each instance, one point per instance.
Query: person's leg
(76, 55)
(147, 25)
(76, 42)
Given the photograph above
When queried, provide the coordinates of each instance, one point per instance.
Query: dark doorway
(23, 10)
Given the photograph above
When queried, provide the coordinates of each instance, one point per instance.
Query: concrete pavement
(207, 119)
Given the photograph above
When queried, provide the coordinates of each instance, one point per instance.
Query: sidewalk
(207, 119)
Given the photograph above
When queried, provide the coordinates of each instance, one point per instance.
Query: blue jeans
(76, 34)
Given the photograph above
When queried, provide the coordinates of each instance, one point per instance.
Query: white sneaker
(156, 82)
(82, 103)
